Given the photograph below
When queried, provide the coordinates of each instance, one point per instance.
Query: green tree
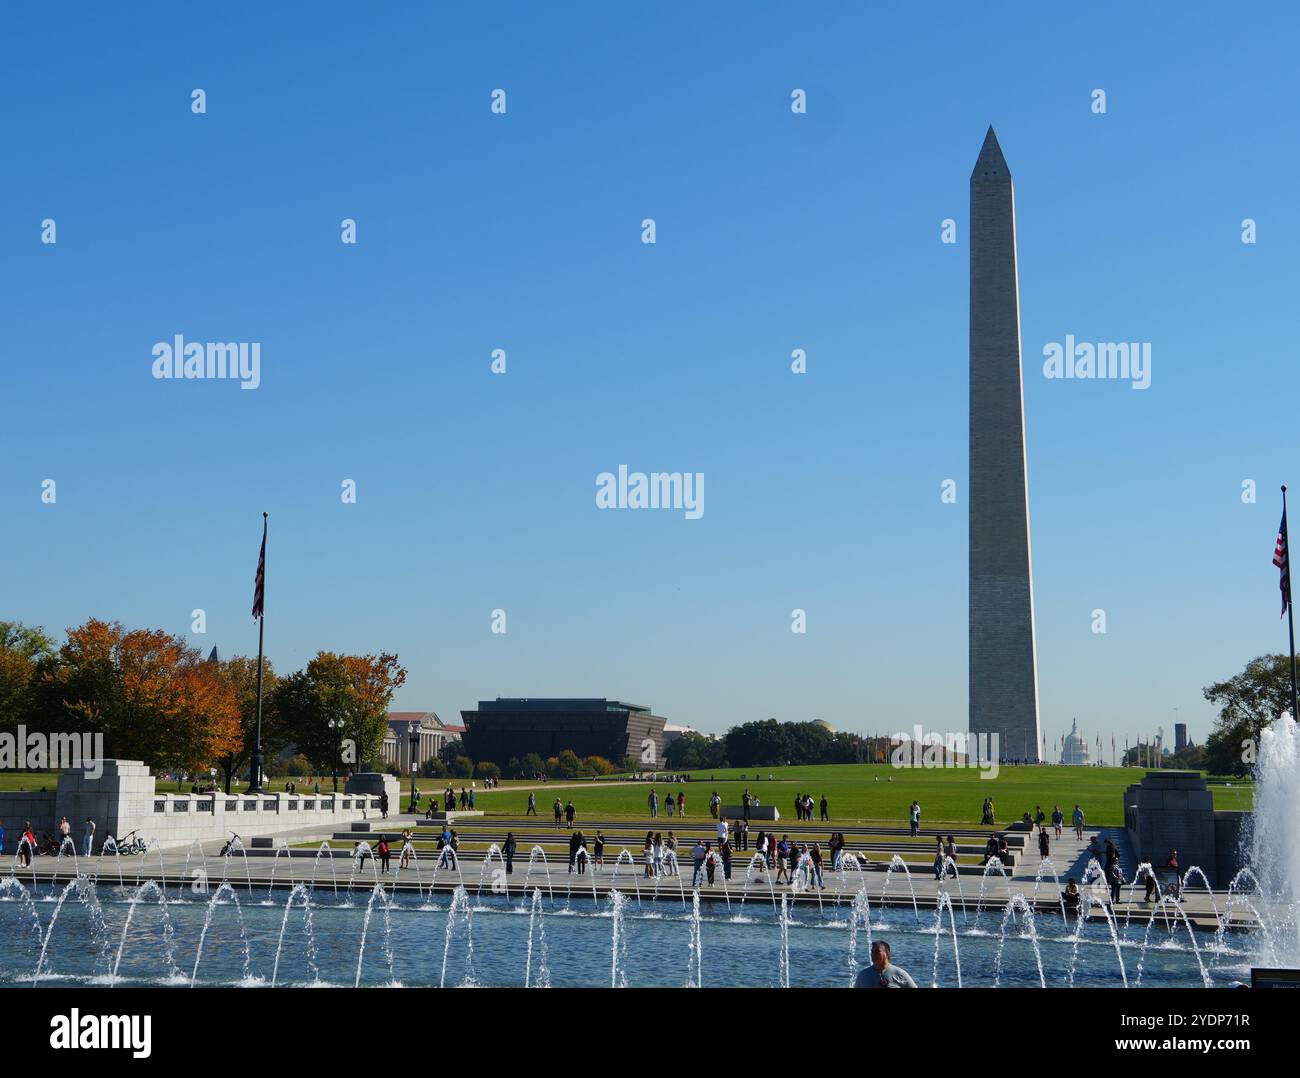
(24, 652)
(695, 752)
(335, 710)
(758, 744)
(240, 673)
(1247, 703)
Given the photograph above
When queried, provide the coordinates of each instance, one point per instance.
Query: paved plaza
(296, 858)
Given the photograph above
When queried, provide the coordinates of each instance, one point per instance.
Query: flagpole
(1290, 611)
(256, 787)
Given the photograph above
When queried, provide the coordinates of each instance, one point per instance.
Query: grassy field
(854, 792)
(857, 792)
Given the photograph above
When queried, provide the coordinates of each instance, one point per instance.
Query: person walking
(383, 806)
(1058, 819)
(87, 839)
(882, 973)
(783, 859)
(1042, 843)
(509, 849)
(710, 862)
(532, 805)
(382, 850)
(1078, 823)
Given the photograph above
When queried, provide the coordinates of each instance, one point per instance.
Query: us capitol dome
(1074, 750)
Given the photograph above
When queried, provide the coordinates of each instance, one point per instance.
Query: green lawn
(854, 792)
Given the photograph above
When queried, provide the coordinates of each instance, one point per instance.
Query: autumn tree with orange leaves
(153, 696)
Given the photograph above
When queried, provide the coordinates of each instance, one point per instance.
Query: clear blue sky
(522, 232)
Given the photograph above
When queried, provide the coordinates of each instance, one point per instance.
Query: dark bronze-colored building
(506, 727)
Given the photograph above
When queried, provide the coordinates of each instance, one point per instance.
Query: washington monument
(1003, 654)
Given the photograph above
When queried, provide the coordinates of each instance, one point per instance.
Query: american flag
(259, 585)
(1282, 559)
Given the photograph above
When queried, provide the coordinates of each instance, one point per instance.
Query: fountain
(1170, 904)
(1017, 904)
(325, 851)
(618, 942)
(945, 902)
(227, 891)
(896, 863)
(1275, 841)
(459, 910)
(535, 924)
(377, 893)
(235, 845)
(533, 855)
(783, 966)
(169, 947)
(309, 934)
(695, 948)
(859, 916)
(761, 862)
(992, 864)
(85, 892)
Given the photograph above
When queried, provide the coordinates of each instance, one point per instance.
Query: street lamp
(337, 724)
(415, 743)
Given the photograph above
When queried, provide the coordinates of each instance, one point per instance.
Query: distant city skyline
(777, 234)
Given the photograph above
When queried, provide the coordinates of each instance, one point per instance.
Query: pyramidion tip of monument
(991, 164)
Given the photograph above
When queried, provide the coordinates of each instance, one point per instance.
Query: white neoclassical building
(1074, 749)
(431, 735)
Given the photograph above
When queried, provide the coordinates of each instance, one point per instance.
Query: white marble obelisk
(1003, 654)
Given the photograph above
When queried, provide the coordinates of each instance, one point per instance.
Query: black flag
(259, 585)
